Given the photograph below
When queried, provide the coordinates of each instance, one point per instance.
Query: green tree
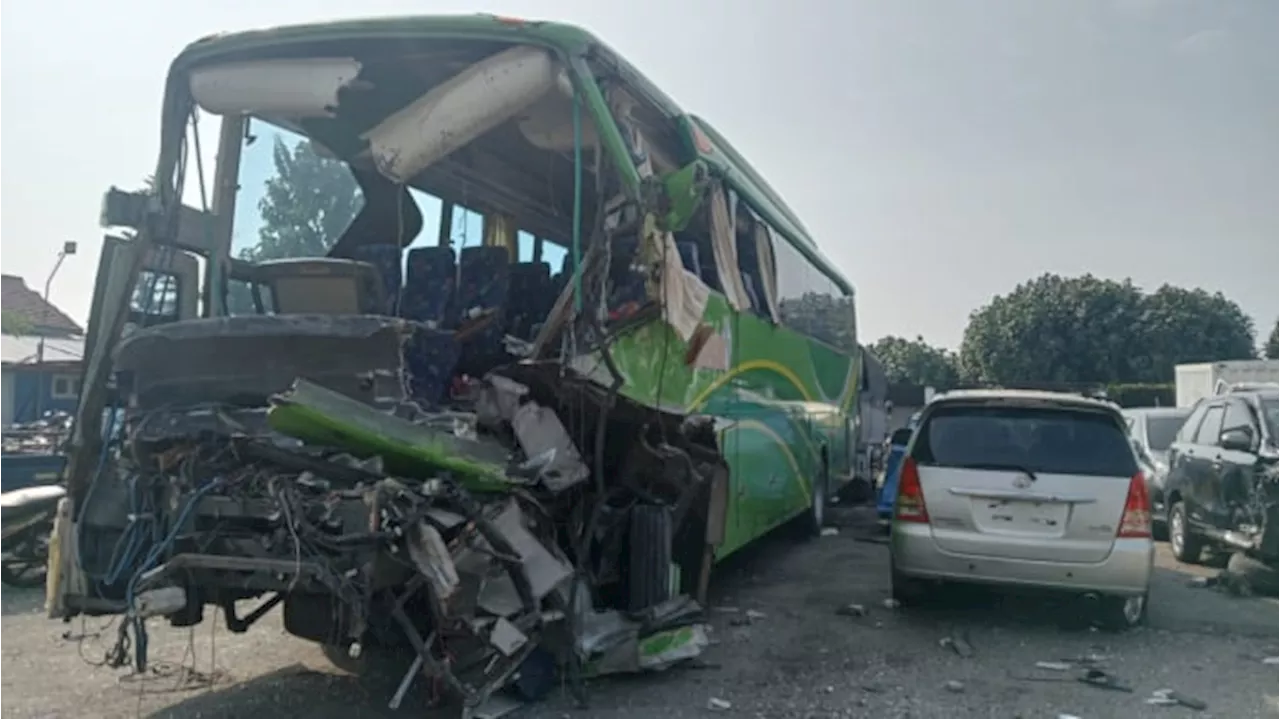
(917, 362)
(14, 323)
(1087, 329)
(1272, 349)
(308, 203)
(1189, 325)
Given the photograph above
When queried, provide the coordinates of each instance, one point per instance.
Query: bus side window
(810, 302)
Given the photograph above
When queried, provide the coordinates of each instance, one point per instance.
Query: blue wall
(32, 388)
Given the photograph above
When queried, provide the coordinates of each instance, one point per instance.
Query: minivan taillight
(910, 504)
(1136, 521)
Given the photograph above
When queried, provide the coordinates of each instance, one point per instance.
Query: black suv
(1221, 487)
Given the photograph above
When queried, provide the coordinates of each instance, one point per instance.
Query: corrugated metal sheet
(24, 350)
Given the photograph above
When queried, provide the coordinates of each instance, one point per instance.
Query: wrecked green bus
(468, 333)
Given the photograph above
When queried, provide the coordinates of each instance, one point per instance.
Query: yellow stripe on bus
(748, 366)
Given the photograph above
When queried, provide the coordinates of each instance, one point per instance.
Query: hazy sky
(941, 150)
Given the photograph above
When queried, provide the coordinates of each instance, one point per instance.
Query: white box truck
(1197, 381)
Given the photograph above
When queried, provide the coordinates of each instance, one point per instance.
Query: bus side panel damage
(482, 540)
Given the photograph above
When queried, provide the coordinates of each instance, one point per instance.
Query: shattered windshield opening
(296, 200)
(292, 201)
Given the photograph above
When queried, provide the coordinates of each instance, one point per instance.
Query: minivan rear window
(1036, 439)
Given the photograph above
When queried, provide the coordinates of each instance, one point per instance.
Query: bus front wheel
(816, 518)
(649, 557)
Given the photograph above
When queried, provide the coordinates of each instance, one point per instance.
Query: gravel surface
(799, 657)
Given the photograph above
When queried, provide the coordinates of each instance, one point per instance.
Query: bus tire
(375, 659)
(648, 557)
(816, 518)
(340, 658)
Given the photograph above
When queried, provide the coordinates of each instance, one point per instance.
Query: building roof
(15, 350)
(24, 302)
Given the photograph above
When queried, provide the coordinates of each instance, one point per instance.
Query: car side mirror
(1237, 439)
(900, 437)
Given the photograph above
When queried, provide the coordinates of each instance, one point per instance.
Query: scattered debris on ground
(1243, 576)
(852, 610)
(1169, 697)
(959, 644)
(717, 704)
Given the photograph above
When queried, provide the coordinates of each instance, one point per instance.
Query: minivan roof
(1024, 395)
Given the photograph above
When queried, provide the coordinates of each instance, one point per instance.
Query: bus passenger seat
(484, 277)
(530, 297)
(431, 356)
(429, 285)
(386, 259)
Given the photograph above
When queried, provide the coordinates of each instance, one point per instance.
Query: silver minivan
(1021, 488)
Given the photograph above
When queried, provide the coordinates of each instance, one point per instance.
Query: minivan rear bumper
(1125, 572)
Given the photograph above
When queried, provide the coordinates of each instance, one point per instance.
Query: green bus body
(784, 402)
(783, 399)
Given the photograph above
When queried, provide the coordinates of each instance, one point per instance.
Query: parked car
(1221, 488)
(889, 479)
(1024, 489)
(1152, 430)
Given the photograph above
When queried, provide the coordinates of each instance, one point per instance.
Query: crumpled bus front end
(376, 379)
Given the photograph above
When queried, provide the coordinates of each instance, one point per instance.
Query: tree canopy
(14, 323)
(1088, 329)
(916, 362)
(1272, 349)
(308, 203)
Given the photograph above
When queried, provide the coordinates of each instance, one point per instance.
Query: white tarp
(297, 87)
(461, 109)
(726, 249)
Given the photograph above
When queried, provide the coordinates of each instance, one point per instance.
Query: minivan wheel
(905, 590)
(1121, 613)
(1182, 539)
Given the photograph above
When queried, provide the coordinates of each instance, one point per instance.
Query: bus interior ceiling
(448, 485)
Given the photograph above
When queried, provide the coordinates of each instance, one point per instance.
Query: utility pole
(68, 248)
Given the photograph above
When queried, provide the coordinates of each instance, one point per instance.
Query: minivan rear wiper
(999, 466)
